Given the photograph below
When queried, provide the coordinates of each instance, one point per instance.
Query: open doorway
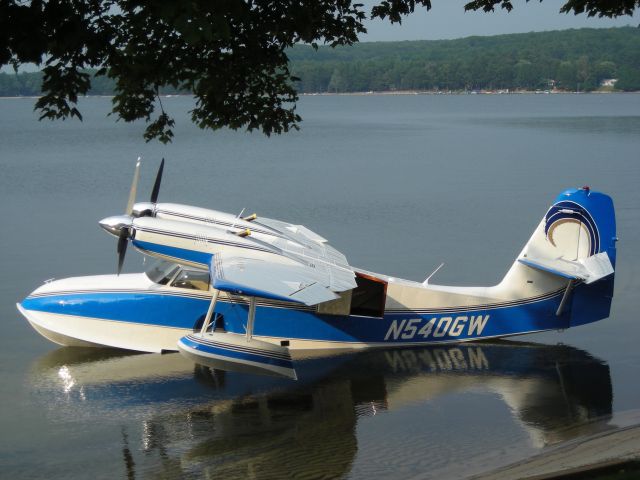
(369, 297)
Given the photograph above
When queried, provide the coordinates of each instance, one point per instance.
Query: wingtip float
(219, 294)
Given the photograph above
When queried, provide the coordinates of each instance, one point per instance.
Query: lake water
(399, 184)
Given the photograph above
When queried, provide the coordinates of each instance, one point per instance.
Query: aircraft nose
(115, 224)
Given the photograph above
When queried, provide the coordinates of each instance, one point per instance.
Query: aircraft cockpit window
(161, 272)
(192, 279)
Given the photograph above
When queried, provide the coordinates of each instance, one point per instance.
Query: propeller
(121, 226)
(123, 241)
(134, 187)
(156, 185)
(147, 209)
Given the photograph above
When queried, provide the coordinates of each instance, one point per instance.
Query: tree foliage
(230, 54)
(569, 60)
(600, 8)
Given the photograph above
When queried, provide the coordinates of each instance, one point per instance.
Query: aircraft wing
(299, 233)
(324, 260)
(308, 248)
(278, 281)
(589, 269)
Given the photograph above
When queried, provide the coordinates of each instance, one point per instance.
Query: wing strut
(212, 306)
(252, 317)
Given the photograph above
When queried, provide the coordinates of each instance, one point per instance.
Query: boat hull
(79, 331)
(52, 335)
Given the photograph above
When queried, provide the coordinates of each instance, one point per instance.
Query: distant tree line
(569, 60)
(29, 84)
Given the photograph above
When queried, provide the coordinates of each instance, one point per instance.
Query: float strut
(252, 317)
(207, 318)
(565, 298)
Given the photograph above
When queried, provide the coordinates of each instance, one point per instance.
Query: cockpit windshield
(161, 271)
(167, 273)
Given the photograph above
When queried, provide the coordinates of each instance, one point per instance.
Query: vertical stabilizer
(573, 247)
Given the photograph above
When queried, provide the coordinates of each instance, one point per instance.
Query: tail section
(573, 247)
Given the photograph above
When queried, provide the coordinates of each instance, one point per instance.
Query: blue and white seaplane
(249, 291)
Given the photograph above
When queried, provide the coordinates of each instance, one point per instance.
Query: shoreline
(468, 92)
(593, 457)
(393, 93)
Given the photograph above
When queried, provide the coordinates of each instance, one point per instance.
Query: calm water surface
(399, 184)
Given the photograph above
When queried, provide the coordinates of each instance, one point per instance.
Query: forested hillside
(568, 60)
(572, 59)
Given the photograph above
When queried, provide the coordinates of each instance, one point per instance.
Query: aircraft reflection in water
(202, 420)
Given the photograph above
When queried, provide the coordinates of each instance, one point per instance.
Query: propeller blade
(134, 188)
(123, 240)
(156, 185)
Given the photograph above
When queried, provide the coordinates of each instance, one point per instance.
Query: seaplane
(248, 292)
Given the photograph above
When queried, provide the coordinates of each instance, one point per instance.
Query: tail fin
(574, 245)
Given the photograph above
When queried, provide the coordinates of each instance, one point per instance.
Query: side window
(192, 279)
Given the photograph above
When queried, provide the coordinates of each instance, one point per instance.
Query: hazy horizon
(448, 21)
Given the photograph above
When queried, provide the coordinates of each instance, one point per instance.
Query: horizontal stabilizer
(589, 269)
(276, 281)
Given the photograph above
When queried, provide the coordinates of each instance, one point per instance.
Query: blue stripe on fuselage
(151, 309)
(307, 325)
(174, 252)
(290, 323)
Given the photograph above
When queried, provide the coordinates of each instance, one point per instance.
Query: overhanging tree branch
(229, 54)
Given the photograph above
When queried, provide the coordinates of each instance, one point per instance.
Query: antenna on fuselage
(426, 281)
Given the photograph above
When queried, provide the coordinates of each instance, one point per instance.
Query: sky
(447, 19)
